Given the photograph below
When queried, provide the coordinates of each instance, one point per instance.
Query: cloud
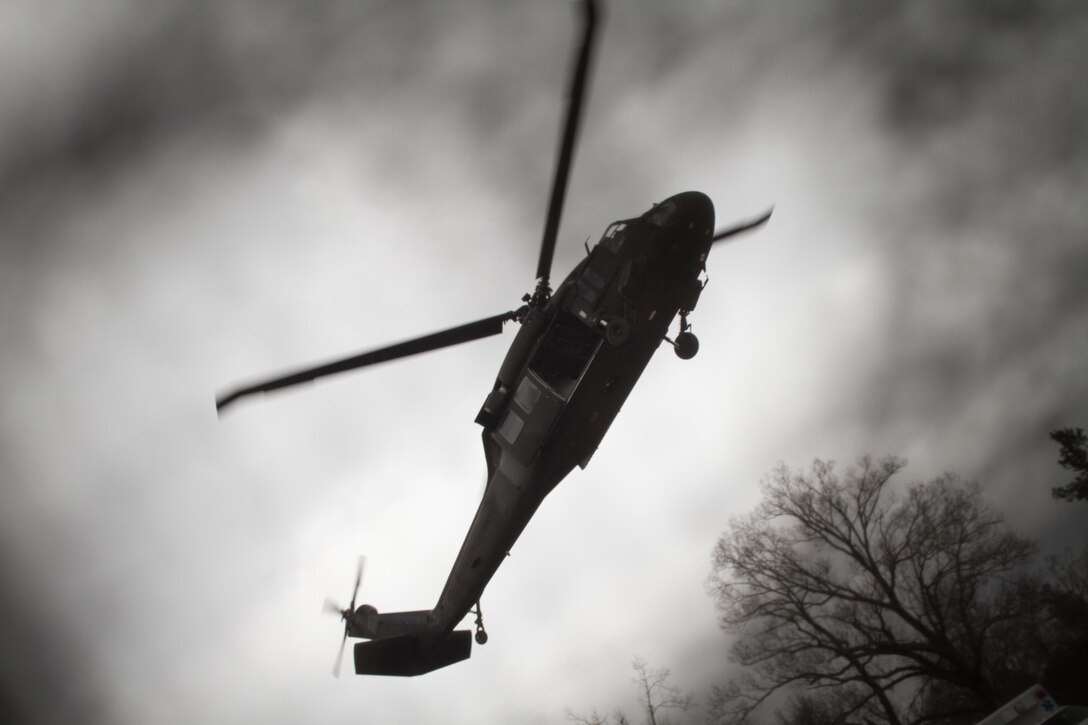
(196, 193)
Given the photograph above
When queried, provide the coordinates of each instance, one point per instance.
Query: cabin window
(565, 353)
(511, 426)
(593, 278)
(527, 394)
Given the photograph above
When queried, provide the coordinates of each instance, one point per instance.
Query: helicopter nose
(692, 211)
(697, 211)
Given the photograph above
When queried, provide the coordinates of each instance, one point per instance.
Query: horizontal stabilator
(402, 656)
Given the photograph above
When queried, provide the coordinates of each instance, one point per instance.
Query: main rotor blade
(566, 147)
(453, 336)
(743, 226)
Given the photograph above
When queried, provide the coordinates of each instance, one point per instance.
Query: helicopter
(578, 353)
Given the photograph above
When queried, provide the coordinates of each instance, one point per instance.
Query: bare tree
(1065, 632)
(656, 696)
(903, 608)
(819, 707)
(1073, 457)
(595, 718)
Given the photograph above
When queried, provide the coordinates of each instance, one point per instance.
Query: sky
(194, 194)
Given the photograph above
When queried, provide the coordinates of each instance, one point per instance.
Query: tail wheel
(481, 633)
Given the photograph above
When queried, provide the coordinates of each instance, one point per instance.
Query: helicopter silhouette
(573, 362)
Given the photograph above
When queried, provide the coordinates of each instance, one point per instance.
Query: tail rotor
(346, 615)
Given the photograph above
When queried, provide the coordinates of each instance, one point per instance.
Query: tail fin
(405, 655)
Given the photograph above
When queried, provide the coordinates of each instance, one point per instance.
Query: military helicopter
(577, 356)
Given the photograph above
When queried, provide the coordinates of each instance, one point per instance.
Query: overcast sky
(196, 193)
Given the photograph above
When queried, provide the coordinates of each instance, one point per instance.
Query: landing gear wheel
(686, 345)
(481, 636)
(617, 331)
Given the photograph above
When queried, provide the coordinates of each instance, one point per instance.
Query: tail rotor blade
(566, 145)
(345, 614)
(340, 656)
(445, 338)
(743, 226)
(358, 582)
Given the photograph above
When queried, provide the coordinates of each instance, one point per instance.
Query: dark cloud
(987, 104)
(46, 675)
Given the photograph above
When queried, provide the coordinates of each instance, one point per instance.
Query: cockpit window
(663, 214)
(614, 236)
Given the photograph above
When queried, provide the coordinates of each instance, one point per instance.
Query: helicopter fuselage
(567, 374)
